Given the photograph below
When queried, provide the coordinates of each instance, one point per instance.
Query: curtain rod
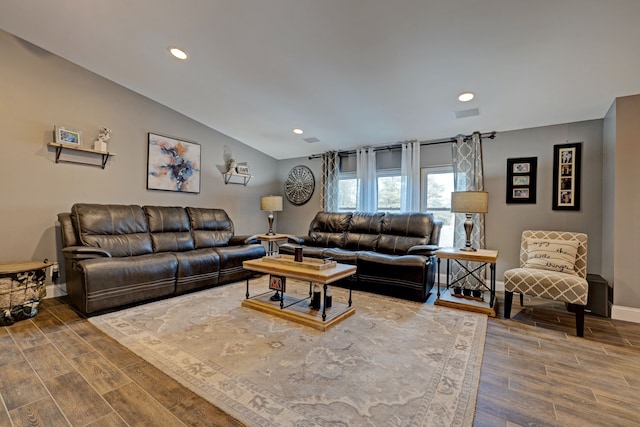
(488, 135)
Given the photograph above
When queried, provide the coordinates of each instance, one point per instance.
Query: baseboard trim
(628, 314)
(56, 290)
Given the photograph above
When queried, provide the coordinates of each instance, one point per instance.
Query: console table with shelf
(61, 147)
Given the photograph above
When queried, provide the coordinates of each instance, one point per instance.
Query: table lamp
(271, 204)
(469, 202)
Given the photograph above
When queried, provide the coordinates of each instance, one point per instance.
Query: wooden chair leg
(521, 300)
(508, 299)
(579, 310)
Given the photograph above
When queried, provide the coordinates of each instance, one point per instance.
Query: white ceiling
(351, 72)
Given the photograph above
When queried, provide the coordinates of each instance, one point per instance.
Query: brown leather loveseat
(394, 252)
(117, 255)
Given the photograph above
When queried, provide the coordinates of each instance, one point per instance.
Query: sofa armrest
(85, 252)
(243, 240)
(300, 240)
(294, 239)
(426, 250)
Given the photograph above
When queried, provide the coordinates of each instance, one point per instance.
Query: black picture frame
(567, 159)
(522, 180)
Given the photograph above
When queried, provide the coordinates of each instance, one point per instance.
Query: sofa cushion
(329, 229)
(363, 231)
(197, 269)
(407, 274)
(547, 284)
(210, 227)
(401, 231)
(170, 228)
(112, 282)
(120, 229)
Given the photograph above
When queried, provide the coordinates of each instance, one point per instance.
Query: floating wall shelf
(61, 147)
(236, 178)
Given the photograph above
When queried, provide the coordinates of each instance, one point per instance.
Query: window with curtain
(436, 188)
(388, 190)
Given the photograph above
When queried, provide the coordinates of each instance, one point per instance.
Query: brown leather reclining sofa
(117, 255)
(394, 252)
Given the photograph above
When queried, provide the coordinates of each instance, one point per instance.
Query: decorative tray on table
(309, 263)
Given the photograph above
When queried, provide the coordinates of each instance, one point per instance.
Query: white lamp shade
(271, 203)
(470, 202)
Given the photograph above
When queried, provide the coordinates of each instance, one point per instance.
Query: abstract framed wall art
(566, 176)
(522, 179)
(173, 164)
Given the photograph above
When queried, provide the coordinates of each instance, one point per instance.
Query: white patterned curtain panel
(329, 190)
(367, 199)
(468, 176)
(410, 176)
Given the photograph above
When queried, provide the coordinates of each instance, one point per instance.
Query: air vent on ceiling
(311, 139)
(467, 113)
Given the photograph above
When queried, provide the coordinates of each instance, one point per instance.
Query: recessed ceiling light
(465, 97)
(178, 53)
(298, 131)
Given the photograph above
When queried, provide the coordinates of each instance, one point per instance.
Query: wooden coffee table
(297, 309)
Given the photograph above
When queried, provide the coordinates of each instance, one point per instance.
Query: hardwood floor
(57, 369)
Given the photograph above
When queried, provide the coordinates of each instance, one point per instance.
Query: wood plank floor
(57, 369)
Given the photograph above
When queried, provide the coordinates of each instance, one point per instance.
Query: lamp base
(270, 232)
(468, 227)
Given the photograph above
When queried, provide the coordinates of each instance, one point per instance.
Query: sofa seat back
(329, 229)
(363, 231)
(170, 228)
(121, 230)
(401, 231)
(210, 227)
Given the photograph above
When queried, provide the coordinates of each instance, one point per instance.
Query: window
(389, 186)
(347, 191)
(436, 188)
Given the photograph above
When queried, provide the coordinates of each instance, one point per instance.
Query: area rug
(393, 363)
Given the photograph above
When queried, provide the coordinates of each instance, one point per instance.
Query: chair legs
(579, 310)
(508, 299)
(521, 300)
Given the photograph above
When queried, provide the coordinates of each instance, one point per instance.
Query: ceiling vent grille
(467, 113)
(311, 139)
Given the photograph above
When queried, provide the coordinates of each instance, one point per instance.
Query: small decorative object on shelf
(100, 144)
(231, 167)
(68, 136)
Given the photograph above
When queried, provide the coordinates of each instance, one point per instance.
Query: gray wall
(626, 202)
(39, 90)
(505, 223)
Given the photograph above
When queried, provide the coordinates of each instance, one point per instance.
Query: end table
(482, 256)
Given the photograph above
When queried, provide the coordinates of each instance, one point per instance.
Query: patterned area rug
(393, 363)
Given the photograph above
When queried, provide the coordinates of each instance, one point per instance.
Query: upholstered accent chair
(553, 265)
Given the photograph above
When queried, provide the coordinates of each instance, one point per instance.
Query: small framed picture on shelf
(521, 180)
(68, 136)
(242, 169)
(277, 283)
